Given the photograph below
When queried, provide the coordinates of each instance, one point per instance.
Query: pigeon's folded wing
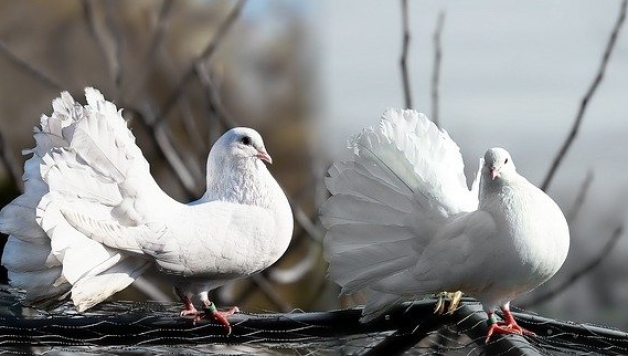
(216, 238)
(449, 261)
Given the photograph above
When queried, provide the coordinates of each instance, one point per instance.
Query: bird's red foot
(509, 326)
(218, 316)
(505, 328)
(189, 310)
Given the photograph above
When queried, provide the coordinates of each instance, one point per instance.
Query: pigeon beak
(264, 156)
(494, 172)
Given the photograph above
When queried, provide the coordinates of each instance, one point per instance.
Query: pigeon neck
(489, 189)
(499, 188)
(242, 181)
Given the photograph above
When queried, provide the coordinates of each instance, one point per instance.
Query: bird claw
(454, 302)
(507, 328)
(189, 311)
(219, 316)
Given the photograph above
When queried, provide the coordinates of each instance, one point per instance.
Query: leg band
(492, 320)
(211, 308)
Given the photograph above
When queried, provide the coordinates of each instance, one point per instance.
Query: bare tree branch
(186, 113)
(580, 198)
(586, 269)
(269, 291)
(211, 47)
(140, 72)
(437, 62)
(587, 97)
(184, 107)
(162, 140)
(30, 69)
(155, 122)
(256, 282)
(296, 272)
(111, 57)
(115, 60)
(213, 96)
(190, 124)
(148, 288)
(304, 220)
(90, 15)
(213, 101)
(404, 55)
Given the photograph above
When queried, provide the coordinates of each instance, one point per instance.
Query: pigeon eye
(506, 160)
(246, 140)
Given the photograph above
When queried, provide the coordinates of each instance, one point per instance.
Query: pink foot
(218, 316)
(509, 326)
(505, 328)
(188, 307)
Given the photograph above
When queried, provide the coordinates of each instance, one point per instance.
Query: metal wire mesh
(411, 329)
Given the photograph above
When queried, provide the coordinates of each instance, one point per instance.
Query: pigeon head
(497, 163)
(242, 143)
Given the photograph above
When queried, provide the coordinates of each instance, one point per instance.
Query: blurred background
(308, 75)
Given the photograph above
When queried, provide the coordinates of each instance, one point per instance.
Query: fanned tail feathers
(85, 158)
(405, 180)
(28, 254)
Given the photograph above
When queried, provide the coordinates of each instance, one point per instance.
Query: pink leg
(209, 309)
(509, 326)
(188, 308)
(218, 316)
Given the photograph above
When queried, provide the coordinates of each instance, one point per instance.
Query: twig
(269, 291)
(298, 271)
(221, 120)
(192, 130)
(140, 73)
(88, 14)
(27, 67)
(160, 136)
(90, 19)
(301, 217)
(115, 62)
(149, 289)
(582, 195)
(211, 47)
(195, 137)
(586, 269)
(404, 55)
(213, 96)
(160, 28)
(437, 62)
(587, 97)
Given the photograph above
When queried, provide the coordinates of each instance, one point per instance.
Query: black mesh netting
(412, 329)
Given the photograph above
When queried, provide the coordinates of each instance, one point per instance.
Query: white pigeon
(402, 222)
(92, 218)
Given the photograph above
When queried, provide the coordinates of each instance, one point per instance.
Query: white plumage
(92, 218)
(403, 223)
